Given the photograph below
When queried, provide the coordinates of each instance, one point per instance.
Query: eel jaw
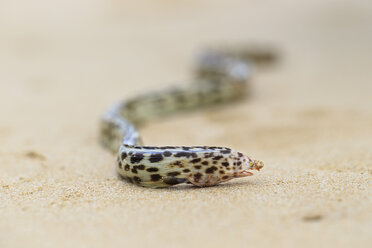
(244, 174)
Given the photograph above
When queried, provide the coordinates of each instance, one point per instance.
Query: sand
(309, 118)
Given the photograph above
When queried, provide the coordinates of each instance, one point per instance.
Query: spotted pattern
(221, 77)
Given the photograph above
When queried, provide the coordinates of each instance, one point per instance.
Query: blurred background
(62, 63)
(69, 54)
(108, 44)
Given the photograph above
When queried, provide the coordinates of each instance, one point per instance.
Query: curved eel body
(221, 77)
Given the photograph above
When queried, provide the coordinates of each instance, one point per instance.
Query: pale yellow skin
(165, 166)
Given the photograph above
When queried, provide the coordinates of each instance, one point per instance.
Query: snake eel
(221, 77)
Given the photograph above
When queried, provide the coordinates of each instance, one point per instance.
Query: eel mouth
(245, 173)
(255, 165)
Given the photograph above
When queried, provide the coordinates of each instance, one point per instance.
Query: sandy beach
(309, 118)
